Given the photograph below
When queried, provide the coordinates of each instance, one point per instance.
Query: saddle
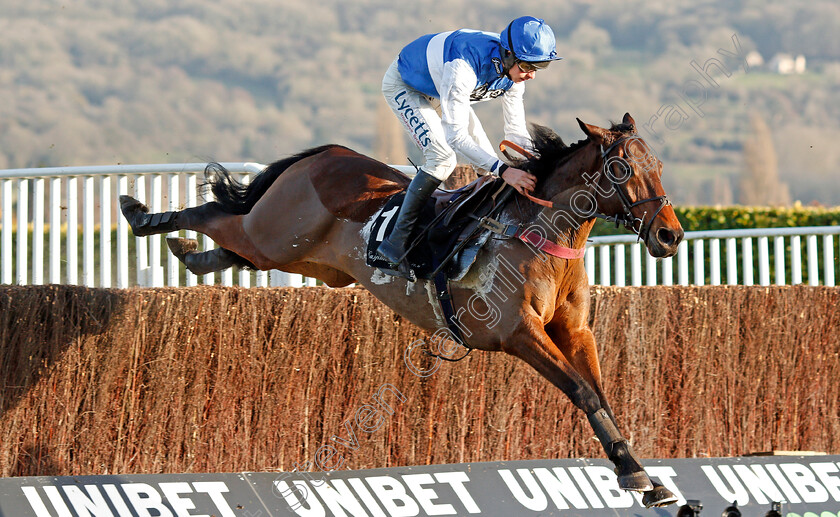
(449, 221)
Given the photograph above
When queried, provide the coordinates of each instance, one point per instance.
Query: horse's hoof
(142, 223)
(181, 247)
(133, 210)
(659, 496)
(129, 205)
(635, 482)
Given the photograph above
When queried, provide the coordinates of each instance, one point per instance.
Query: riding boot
(201, 263)
(142, 223)
(393, 247)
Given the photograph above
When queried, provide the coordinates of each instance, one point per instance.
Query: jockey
(430, 87)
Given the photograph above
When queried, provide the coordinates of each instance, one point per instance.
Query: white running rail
(46, 203)
(718, 257)
(40, 210)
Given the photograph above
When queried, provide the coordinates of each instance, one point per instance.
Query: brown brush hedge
(215, 379)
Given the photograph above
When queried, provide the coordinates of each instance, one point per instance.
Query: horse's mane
(551, 148)
(624, 129)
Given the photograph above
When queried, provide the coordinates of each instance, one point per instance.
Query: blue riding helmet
(530, 39)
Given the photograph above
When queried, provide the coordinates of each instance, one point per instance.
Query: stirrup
(402, 270)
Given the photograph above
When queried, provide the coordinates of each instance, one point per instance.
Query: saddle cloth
(448, 218)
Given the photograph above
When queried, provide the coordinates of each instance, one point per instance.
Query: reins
(503, 147)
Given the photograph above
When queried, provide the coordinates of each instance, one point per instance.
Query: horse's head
(629, 187)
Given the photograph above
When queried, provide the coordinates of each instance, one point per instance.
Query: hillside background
(93, 82)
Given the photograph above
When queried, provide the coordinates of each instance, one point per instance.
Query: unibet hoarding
(806, 485)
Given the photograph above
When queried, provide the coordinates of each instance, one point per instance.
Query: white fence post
(699, 263)
(105, 231)
(714, 261)
(38, 233)
(779, 258)
(795, 260)
(650, 269)
(172, 262)
(122, 236)
(6, 252)
(828, 260)
(604, 264)
(747, 260)
(73, 230)
(156, 206)
(668, 271)
(763, 261)
(192, 201)
(88, 232)
(620, 272)
(227, 277)
(23, 231)
(731, 261)
(141, 245)
(682, 258)
(208, 278)
(813, 258)
(55, 230)
(636, 264)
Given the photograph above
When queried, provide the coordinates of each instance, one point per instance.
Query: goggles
(528, 66)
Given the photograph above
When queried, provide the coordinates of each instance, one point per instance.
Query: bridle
(626, 219)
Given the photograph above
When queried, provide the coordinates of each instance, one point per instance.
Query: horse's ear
(597, 134)
(629, 121)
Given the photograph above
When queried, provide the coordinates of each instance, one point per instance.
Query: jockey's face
(517, 75)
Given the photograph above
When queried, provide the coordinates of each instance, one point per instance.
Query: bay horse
(311, 213)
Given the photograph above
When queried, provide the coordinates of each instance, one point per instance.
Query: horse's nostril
(666, 237)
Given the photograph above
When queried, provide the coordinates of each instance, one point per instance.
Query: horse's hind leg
(143, 223)
(201, 263)
(208, 219)
(211, 220)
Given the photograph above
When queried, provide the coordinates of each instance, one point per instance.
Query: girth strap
(448, 308)
(534, 239)
(549, 247)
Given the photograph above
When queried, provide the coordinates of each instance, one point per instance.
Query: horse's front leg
(578, 346)
(531, 343)
(576, 342)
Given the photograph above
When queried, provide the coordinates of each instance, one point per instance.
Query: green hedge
(701, 218)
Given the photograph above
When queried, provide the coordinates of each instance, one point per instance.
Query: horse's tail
(238, 198)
